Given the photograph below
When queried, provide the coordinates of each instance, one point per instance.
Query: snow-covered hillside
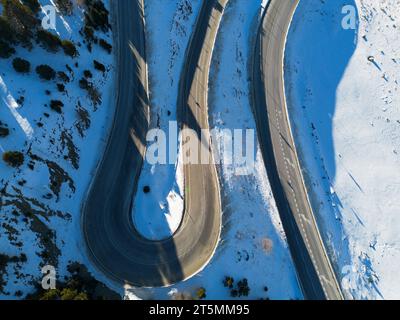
(40, 200)
(343, 93)
(253, 244)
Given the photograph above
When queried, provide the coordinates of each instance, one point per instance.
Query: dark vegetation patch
(5, 260)
(6, 50)
(96, 15)
(20, 24)
(63, 76)
(83, 122)
(34, 5)
(69, 48)
(65, 6)
(21, 65)
(49, 41)
(60, 87)
(56, 105)
(47, 242)
(241, 289)
(35, 214)
(72, 151)
(79, 285)
(92, 92)
(45, 72)
(105, 45)
(99, 66)
(58, 176)
(4, 131)
(88, 74)
(28, 206)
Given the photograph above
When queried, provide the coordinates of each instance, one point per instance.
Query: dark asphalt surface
(315, 273)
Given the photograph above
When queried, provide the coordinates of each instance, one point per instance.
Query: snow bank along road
(314, 270)
(113, 243)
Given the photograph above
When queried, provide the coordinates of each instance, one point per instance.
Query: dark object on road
(146, 189)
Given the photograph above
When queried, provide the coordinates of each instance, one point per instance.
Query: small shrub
(228, 282)
(88, 32)
(21, 65)
(6, 50)
(49, 41)
(81, 296)
(94, 94)
(99, 66)
(56, 105)
(105, 45)
(69, 48)
(88, 74)
(68, 294)
(45, 72)
(4, 132)
(243, 288)
(13, 158)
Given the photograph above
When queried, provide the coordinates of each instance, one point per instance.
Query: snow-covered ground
(253, 244)
(343, 93)
(40, 201)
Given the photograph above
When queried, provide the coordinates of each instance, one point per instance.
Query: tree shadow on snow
(320, 49)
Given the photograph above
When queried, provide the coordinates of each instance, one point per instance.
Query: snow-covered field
(40, 201)
(343, 93)
(253, 244)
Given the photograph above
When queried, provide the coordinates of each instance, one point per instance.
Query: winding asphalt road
(314, 270)
(113, 243)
